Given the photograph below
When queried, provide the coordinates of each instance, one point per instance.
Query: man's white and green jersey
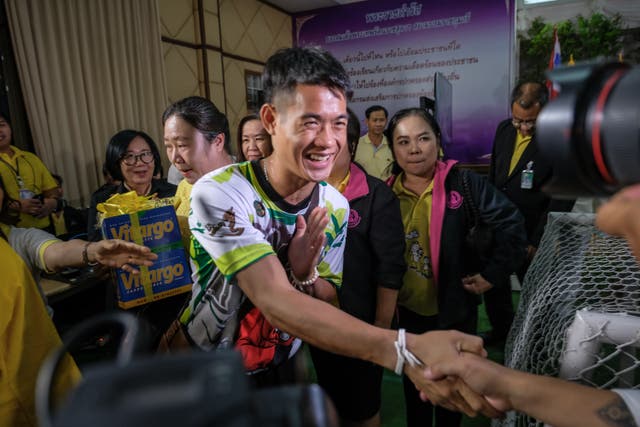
(236, 219)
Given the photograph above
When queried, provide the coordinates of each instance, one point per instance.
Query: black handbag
(479, 237)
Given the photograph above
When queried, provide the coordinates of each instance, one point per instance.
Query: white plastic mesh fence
(576, 267)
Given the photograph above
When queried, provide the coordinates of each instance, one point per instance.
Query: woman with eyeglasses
(133, 159)
(253, 141)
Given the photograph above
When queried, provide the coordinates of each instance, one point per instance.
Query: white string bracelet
(305, 283)
(404, 354)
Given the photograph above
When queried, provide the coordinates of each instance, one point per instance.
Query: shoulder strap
(469, 206)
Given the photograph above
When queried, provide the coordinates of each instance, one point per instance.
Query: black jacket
(160, 187)
(374, 250)
(455, 304)
(534, 204)
(509, 250)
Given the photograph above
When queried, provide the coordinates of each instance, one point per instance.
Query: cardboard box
(169, 275)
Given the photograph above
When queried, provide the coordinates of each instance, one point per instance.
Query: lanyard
(16, 171)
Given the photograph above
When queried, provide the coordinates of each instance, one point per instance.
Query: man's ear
(268, 117)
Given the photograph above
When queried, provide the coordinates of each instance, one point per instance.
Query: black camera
(192, 389)
(591, 131)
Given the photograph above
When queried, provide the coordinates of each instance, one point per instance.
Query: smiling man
(272, 232)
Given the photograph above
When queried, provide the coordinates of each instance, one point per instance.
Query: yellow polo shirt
(27, 336)
(35, 176)
(182, 204)
(375, 160)
(418, 292)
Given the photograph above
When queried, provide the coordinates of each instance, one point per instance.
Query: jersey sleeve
(220, 222)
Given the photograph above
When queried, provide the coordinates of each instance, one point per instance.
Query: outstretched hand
(307, 243)
(452, 393)
(120, 254)
(482, 376)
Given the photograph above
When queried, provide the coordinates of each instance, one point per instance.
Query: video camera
(193, 389)
(590, 132)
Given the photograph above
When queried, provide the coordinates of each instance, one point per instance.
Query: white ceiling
(294, 6)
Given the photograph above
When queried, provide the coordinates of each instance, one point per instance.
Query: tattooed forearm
(616, 413)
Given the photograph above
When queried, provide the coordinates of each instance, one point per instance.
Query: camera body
(194, 389)
(591, 131)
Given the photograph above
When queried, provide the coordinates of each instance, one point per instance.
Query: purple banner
(392, 51)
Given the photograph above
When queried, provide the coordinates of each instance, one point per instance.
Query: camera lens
(591, 130)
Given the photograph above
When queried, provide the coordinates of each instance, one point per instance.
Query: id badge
(526, 179)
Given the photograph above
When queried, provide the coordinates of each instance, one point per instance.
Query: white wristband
(404, 354)
(305, 283)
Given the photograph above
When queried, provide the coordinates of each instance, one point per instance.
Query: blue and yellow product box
(169, 275)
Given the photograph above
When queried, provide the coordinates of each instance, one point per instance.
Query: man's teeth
(318, 157)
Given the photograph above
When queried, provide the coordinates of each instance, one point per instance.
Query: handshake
(457, 375)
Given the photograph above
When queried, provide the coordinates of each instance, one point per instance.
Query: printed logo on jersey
(259, 207)
(228, 221)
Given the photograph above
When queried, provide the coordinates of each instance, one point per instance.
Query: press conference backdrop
(392, 51)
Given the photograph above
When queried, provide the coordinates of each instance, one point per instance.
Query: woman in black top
(133, 159)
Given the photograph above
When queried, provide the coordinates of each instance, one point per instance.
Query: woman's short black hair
(393, 123)
(117, 148)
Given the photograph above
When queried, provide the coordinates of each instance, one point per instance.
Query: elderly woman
(440, 288)
(253, 141)
(133, 159)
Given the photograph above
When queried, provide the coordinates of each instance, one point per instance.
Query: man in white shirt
(373, 152)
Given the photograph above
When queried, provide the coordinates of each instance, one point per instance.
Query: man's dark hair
(528, 94)
(203, 115)
(374, 108)
(294, 66)
(117, 148)
(353, 132)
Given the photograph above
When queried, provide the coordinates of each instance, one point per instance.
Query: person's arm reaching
(551, 400)
(112, 253)
(320, 324)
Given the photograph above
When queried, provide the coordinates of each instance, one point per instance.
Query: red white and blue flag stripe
(554, 61)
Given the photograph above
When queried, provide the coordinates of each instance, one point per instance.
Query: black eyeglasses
(527, 124)
(131, 159)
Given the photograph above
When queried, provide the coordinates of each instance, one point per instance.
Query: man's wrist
(308, 281)
(86, 257)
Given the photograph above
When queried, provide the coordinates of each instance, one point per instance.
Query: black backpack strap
(470, 209)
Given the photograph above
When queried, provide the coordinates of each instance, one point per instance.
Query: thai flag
(554, 61)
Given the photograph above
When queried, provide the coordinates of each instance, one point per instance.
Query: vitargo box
(156, 228)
